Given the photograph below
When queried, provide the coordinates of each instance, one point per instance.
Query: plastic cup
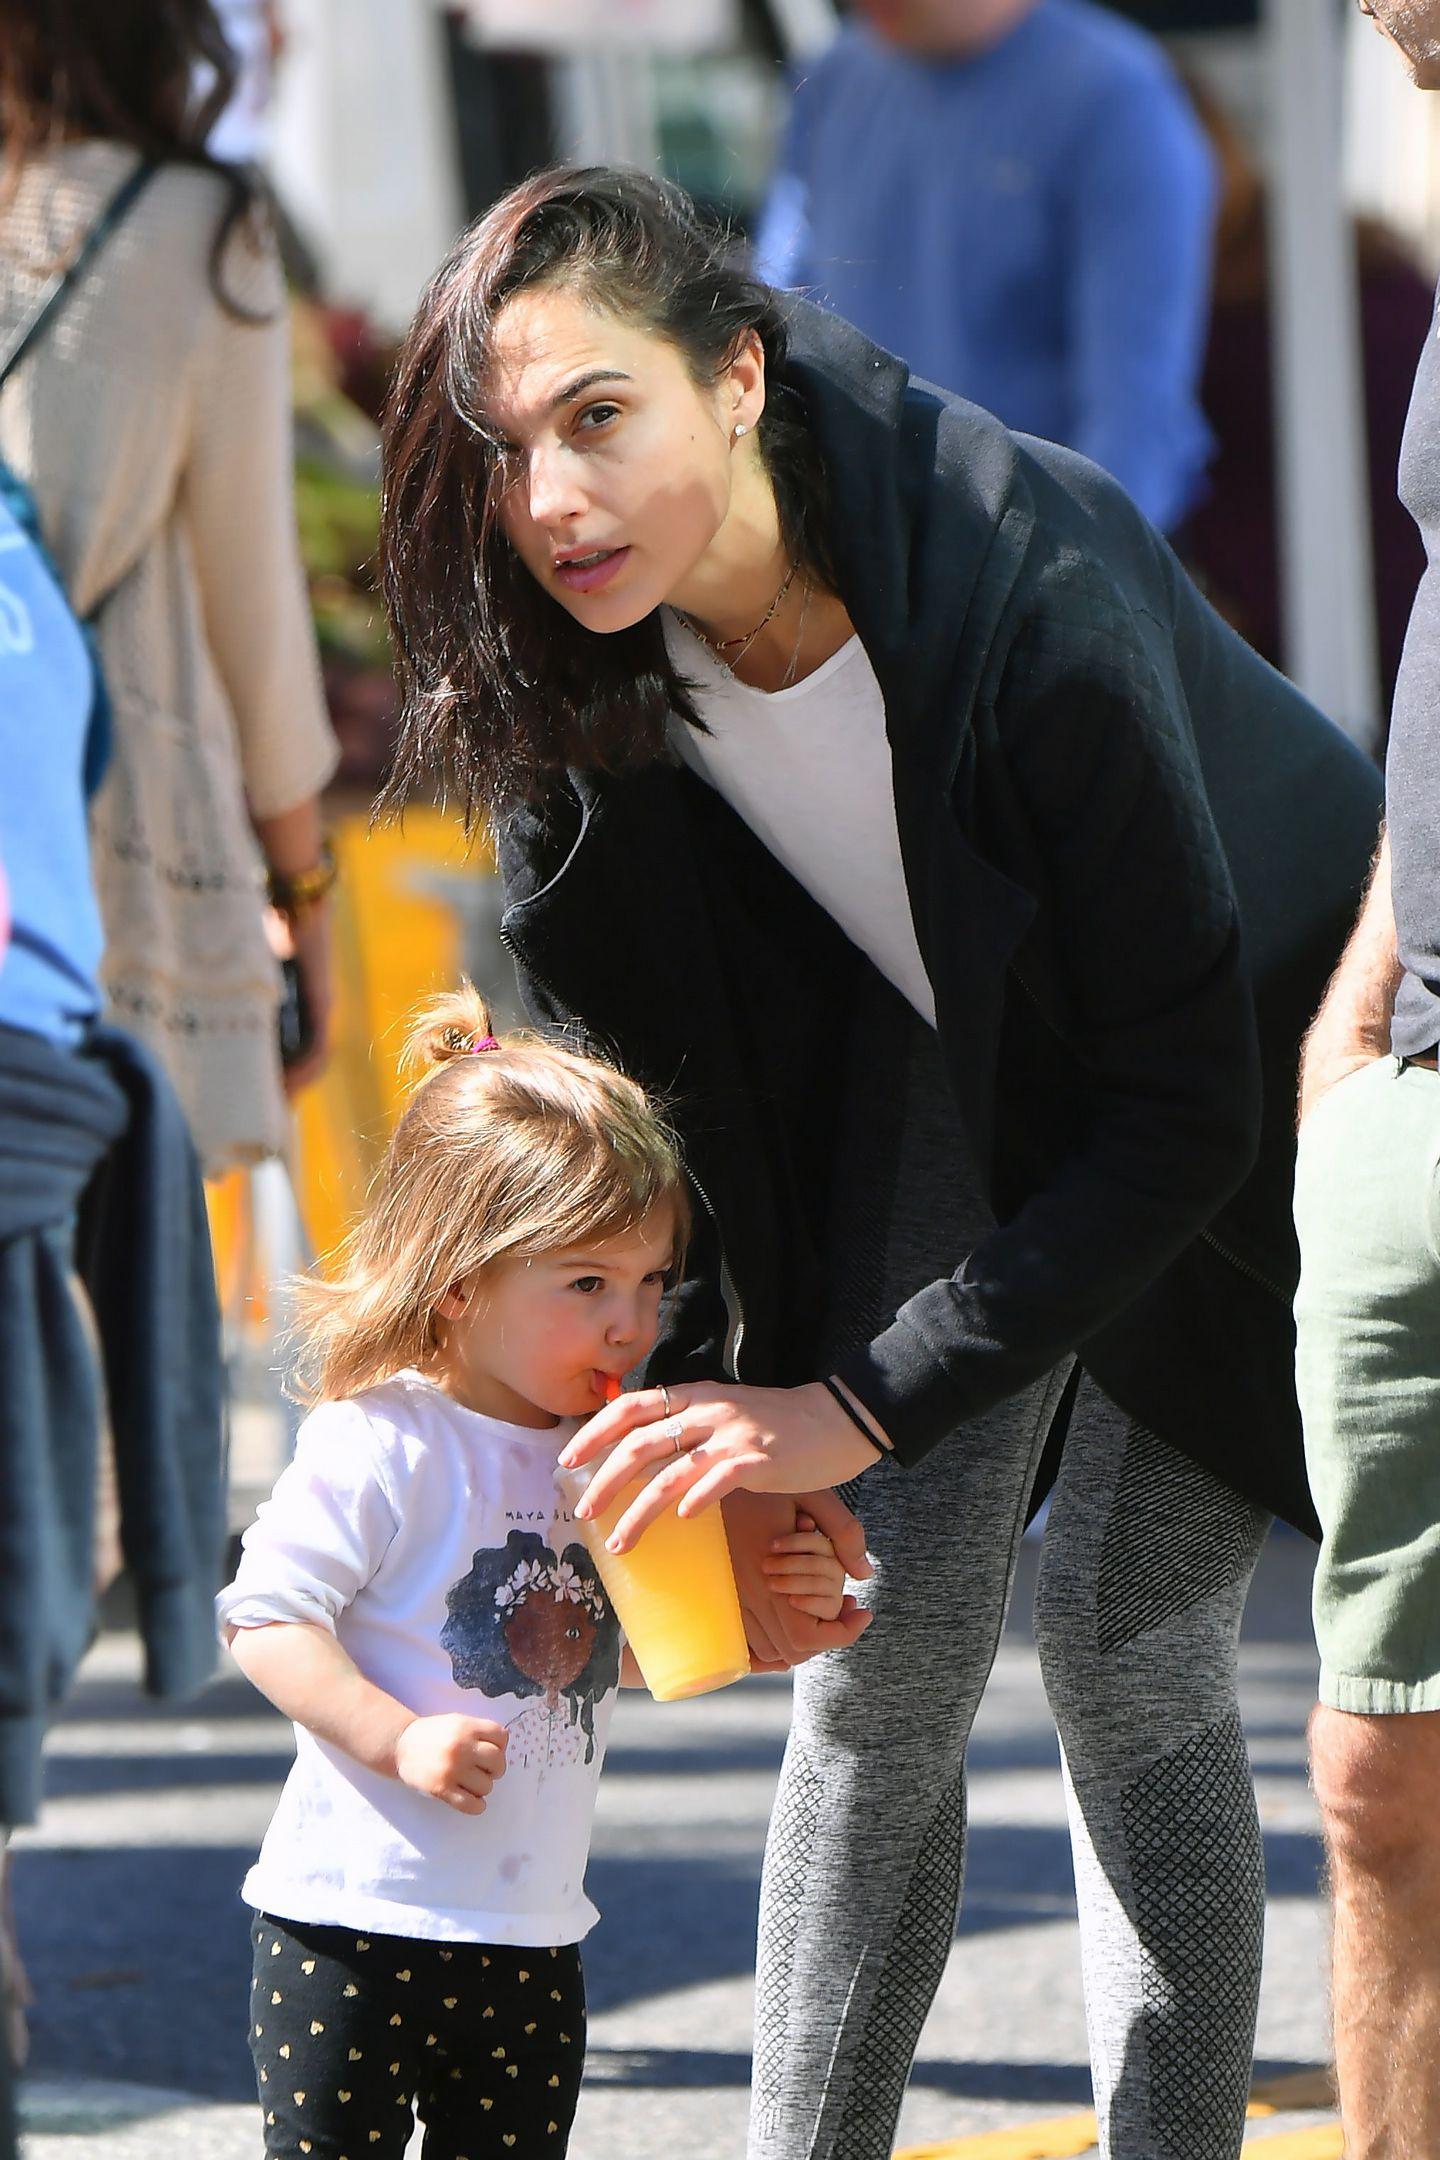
(673, 1593)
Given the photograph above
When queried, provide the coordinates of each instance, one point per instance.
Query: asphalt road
(137, 1946)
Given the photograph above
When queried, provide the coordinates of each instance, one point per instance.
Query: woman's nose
(554, 492)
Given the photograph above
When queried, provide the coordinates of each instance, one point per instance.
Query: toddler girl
(414, 1596)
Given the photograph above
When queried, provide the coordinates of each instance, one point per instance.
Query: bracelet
(296, 892)
(861, 1424)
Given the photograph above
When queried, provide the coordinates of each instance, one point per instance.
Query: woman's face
(625, 467)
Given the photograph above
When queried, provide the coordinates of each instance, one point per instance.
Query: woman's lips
(588, 577)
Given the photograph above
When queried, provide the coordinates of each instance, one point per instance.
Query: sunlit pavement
(137, 1943)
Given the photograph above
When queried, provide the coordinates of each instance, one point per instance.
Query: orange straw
(613, 1389)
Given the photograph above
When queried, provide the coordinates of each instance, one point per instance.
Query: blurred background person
(107, 1299)
(254, 32)
(154, 430)
(1017, 196)
(1231, 542)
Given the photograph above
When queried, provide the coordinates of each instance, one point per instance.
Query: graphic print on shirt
(523, 1622)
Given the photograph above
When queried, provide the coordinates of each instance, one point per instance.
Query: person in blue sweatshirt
(1017, 196)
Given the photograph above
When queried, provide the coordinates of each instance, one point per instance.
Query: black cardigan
(1119, 993)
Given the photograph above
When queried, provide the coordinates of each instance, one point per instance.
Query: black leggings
(353, 2035)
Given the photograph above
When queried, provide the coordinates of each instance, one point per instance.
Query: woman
(152, 427)
(841, 748)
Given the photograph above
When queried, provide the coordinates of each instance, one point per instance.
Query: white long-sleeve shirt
(432, 1542)
(808, 769)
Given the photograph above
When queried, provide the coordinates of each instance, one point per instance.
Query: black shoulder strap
(48, 305)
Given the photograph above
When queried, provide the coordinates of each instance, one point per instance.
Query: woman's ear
(744, 390)
(453, 1302)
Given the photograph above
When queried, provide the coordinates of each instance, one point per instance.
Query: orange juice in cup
(674, 1593)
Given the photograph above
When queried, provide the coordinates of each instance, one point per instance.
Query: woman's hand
(780, 1632)
(310, 945)
(292, 843)
(716, 1440)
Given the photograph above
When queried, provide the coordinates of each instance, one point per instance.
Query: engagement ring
(674, 1431)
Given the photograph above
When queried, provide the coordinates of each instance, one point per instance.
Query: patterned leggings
(1147, 1559)
(353, 2034)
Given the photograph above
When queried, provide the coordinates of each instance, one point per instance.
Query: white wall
(363, 146)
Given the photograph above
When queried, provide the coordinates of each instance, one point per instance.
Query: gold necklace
(721, 646)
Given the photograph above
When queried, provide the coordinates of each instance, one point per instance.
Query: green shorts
(1367, 1209)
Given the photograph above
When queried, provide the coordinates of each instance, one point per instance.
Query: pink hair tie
(488, 1042)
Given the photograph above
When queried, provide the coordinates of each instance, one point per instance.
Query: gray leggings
(1146, 1564)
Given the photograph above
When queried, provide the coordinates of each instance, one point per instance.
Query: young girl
(415, 1597)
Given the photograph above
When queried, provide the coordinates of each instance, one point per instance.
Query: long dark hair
(501, 687)
(127, 71)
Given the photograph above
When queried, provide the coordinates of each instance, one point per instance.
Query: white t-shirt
(809, 771)
(434, 1545)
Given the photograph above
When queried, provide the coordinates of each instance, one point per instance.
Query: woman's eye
(598, 416)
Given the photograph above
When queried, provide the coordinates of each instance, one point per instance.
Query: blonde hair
(507, 1151)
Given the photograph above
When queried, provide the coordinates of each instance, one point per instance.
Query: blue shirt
(1029, 226)
(47, 693)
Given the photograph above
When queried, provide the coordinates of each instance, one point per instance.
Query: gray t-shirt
(1412, 767)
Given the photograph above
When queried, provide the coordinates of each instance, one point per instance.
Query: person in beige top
(153, 426)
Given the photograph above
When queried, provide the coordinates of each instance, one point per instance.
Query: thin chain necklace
(789, 676)
(721, 647)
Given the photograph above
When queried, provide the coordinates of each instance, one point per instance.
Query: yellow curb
(1065, 2137)
(1322, 2144)
(1061, 2138)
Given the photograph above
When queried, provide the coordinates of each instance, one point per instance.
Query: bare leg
(1378, 1782)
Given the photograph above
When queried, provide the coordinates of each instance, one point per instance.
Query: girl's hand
(452, 1758)
(781, 1632)
(716, 1440)
(806, 1570)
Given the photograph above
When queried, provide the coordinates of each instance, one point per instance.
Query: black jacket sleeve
(1146, 989)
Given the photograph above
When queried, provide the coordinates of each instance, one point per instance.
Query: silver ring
(665, 1399)
(674, 1432)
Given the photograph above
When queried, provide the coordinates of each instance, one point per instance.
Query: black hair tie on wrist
(861, 1424)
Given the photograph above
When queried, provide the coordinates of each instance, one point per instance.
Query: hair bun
(452, 1025)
